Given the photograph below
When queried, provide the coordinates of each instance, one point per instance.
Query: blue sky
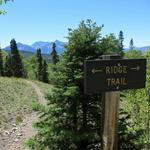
(35, 20)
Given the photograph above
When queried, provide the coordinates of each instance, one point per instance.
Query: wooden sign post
(110, 115)
(110, 75)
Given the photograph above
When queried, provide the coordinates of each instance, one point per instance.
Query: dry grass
(16, 99)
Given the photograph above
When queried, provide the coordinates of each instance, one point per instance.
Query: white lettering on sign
(117, 69)
(116, 81)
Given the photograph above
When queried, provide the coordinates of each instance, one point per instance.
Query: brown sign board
(114, 75)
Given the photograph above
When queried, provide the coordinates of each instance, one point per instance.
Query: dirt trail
(15, 138)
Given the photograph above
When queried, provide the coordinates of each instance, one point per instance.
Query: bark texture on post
(110, 115)
(110, 120)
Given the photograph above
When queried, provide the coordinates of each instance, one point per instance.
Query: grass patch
(19, 119)
(45, 88)
(16, 99)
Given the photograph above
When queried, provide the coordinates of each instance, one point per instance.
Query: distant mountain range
(144, 48)
(46, 47)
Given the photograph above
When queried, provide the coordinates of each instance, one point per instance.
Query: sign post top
(111, 56)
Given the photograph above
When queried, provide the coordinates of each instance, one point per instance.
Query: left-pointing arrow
(95, 71)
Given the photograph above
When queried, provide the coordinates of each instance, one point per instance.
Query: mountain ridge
(46, 47)
(143, 48)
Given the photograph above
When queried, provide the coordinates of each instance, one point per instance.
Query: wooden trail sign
(114, 75)
(110, 75)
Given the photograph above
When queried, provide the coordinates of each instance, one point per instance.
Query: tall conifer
(17, 65)
(75, 117)
(39, 65)
(131, 44)
(45, 72)
(54, 55)
(1, 63)
(121, 39)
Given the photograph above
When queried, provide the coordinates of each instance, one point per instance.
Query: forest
(71, 119)
(47, 91)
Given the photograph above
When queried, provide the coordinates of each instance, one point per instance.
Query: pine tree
(121, 38)
(71, 113)
(17, 65)
(45, 72)
(39, 65)
(54, 55)
(1, 63)
(7, 67)
(131, 44)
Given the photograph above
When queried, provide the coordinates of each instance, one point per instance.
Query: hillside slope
(17, 97)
